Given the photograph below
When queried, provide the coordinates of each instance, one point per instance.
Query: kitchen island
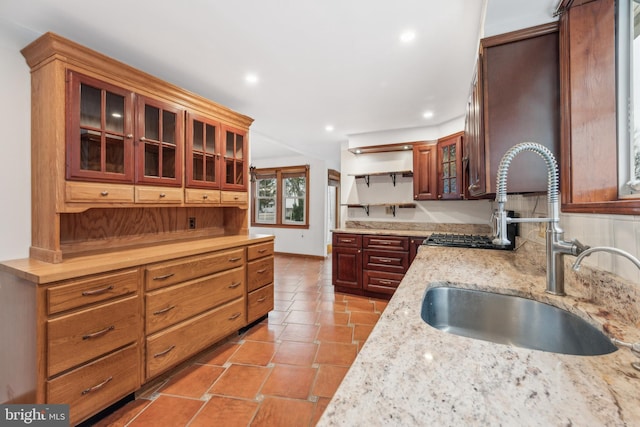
(411, 374)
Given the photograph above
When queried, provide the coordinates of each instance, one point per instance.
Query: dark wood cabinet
(414, 245)
(516, 98)
(425, 170)
(347, 262)
(450, 173)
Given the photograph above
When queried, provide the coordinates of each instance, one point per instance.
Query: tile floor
(281, 372)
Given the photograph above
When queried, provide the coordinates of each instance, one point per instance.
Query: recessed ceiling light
(329, 128)
(427, 114)
(407, 36)
(251, 78)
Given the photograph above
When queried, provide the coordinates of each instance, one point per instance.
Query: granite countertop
(410, 374)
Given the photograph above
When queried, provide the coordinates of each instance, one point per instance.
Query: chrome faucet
(556, 247)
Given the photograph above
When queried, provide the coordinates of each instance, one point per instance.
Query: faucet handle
(578, 247)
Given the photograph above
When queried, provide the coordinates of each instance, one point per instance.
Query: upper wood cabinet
(516, 97)
(106, 135)
(425, 171)
(450, 172)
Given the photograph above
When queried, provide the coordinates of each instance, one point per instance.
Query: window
(280, 197)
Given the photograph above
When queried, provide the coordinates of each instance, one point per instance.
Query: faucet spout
(616, 251)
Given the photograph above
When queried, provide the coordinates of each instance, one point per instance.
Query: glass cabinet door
(100, 130)
(203, 152)
(450, 168)
(235, 145)
(160, 142)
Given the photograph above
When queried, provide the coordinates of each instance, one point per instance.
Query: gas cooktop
(463, 241)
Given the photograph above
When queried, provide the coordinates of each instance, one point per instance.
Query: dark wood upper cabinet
(425, 171)
(450, 173)
(516, 98)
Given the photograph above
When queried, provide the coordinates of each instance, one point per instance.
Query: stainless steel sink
(512, 320)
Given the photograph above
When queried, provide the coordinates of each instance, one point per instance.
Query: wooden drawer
(207, 197)
(391, 261)
(167, 306)
(76, 293)
(259, 273)
(148, 194)
(76, 338)
(169, 273)
(386, 243)
(259, 303)
(97, 385)
(259, 250)
(347, 240)
(381, 281)
(170, 347)
(94, 192)
(234, 197)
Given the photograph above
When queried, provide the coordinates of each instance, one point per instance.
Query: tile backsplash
(619, 231)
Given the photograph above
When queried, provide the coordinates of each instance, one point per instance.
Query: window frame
(280, 174)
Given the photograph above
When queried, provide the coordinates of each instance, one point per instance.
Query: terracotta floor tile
(321, 405)
(328, 379)
(359, 304)
(225, 411)
(280, 412)
(333, 318)
(264, 332)
(254, 353)
(193, 381)
(302, 317)
(335, 333)
(219, 355)
(276, 317)
(167, 411)
(282, 305)
(331, 353)
(296, 353)
(302, 333)
(361, 332)
(361, 317)
(302, 305)
(337, 306)
(380, 305)
(123, 415)
(289, 381)
(306, 296)
(285, 296)
(240, 381)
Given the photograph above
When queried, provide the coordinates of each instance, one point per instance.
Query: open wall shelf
(392, 174)
(392, 206)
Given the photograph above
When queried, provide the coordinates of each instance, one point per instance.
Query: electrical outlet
(192, 223)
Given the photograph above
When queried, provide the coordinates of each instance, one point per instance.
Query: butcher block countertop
(411, 374)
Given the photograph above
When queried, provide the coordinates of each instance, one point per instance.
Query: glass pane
(90, 106)
(198, 139)
(239, 145)
(453, 169)
(452, 151)
(294, 210)
(211, 139)
(151, 123)
(114, 113)
(445, 154)
(454, 185)
(446, 186)
(266, 212)
(151, 160)
(114, 154)
(210, 163)
(229, 172)
(239, 175)
(169, 127)
(197, 167)
(169, 161)
(90, 150)
(445, 170)
(295, 187)
(267, 187)
(230, 149)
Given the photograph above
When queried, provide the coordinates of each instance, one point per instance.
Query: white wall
(15, 173)
(309, 241)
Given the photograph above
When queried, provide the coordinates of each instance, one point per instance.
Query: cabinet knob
(104, 193)
(129, 136)
(162, 195)
(205, 196)
(142, 138)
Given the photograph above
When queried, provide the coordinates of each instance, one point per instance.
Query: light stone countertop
(410, 374)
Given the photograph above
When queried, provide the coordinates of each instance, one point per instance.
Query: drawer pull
(346, 240)
(97, 291)
(235, 259)
(96, 387)
(162, 353)
(99, 333)
(166, 276)
(262, 270)
(164, 310)
(387, 260)
(381, 242)
(104, 193)
(205, 196)
(262, 299)
(234, 285)
(386, 282)
(162, 195)
(261, 251)
(234, 316)
(235, 197)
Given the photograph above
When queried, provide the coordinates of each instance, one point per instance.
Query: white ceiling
(319, 62)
